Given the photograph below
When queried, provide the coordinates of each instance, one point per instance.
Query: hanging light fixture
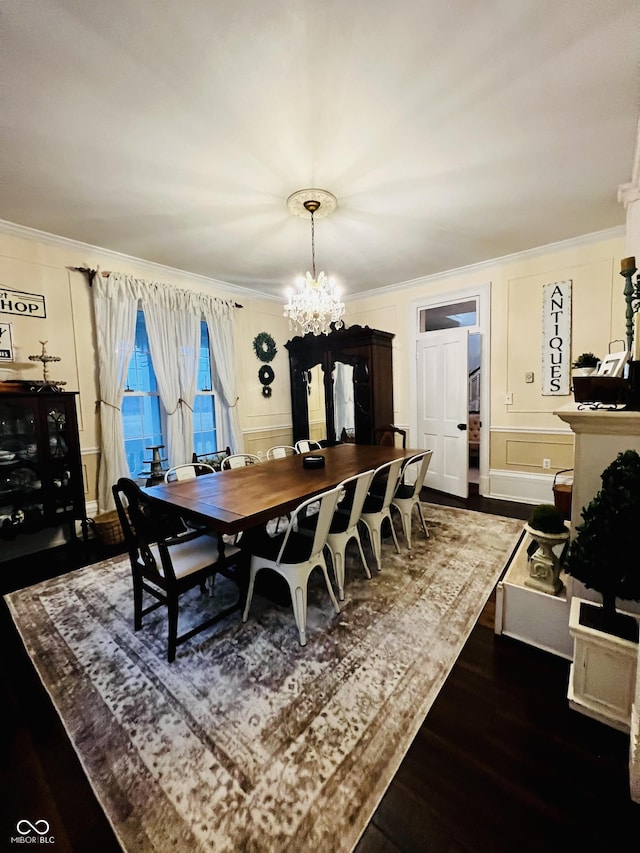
(315, 305)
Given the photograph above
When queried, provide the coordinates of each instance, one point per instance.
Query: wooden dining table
(235, 500)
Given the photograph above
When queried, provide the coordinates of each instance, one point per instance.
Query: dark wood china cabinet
(41, 482)
(356, 369)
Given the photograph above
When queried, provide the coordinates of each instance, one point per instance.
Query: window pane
(140, 376)
(141, 426)
(453, 316)
(204, 424)
(204, 363)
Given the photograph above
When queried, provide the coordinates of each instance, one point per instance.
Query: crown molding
(22, 231)
(631, 191)
(481, 266)
(14, 230)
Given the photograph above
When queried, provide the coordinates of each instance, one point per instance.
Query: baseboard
(520, 487)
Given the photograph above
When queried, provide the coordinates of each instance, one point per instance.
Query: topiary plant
(586, 359)
(547, 518)
(604, 552)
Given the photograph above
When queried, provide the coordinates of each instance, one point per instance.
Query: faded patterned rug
(249, 742)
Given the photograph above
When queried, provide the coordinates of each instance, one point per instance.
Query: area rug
(248, 741)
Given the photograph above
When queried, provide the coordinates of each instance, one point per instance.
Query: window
(454, 315)
(142, 418)
(204, 410)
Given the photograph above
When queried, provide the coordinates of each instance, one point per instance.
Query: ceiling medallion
(315, 306)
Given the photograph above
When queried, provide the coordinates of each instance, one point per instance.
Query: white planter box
(530, 615)
(603, 674)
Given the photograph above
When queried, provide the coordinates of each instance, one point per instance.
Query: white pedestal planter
(603, 674)
(544, 565)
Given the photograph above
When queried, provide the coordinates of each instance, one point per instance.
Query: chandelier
(315, 306)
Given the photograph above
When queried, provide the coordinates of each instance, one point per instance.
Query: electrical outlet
(546, 463)
(508, 399)
(528, 377)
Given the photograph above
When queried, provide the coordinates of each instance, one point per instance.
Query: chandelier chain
(313, 247)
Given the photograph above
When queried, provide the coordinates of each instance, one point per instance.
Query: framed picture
(6, 344)
(613, 364)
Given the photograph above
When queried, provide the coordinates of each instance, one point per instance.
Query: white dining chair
(305, 445)
(407, 494)
(188, 471)
(377, 505)
(293, 555)
(280, 451)
(239, 460)
(344, 525)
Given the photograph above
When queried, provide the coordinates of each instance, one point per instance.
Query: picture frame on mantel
(613, 364)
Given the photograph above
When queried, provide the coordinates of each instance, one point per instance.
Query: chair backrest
(214, 458)
(142, 526)
(239, 460)
(384, 483)
(280, 450)
(188, 471)
(386, 435)
(355, 491)
(318, 537)
(418, 465)
(304, 445)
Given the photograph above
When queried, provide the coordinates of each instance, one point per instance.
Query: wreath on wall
(266, 375)
(264, 347)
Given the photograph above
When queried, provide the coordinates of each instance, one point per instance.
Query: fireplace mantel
(599, 436)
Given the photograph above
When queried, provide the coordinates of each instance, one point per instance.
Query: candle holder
(46, 383)
(631, 295)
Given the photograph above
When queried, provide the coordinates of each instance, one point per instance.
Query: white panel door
(443, 408)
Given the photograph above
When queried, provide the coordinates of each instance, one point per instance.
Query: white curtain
(172, 318)
(219, 317)
(115, 305)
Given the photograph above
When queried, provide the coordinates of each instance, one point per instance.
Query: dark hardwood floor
(500, 765)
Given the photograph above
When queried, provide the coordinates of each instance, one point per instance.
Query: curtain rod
(106, 273)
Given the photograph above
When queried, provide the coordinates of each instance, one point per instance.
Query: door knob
(462, 427)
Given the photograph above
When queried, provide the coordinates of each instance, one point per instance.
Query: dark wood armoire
(369, 353)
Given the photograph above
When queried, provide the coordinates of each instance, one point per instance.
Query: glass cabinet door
(40, 466)
(59, 480)
(21, 501)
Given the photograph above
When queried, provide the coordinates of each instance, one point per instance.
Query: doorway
(450, 409)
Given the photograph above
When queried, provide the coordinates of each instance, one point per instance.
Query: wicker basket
(108, 528)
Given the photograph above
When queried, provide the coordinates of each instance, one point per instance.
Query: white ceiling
(451, 131)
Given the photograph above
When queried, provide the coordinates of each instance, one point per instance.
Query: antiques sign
(24, 304)
(556, 338)
(6, 345)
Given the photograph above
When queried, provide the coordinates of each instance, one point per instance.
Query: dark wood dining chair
(386, 435)
(168, 559)
(214, 459)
